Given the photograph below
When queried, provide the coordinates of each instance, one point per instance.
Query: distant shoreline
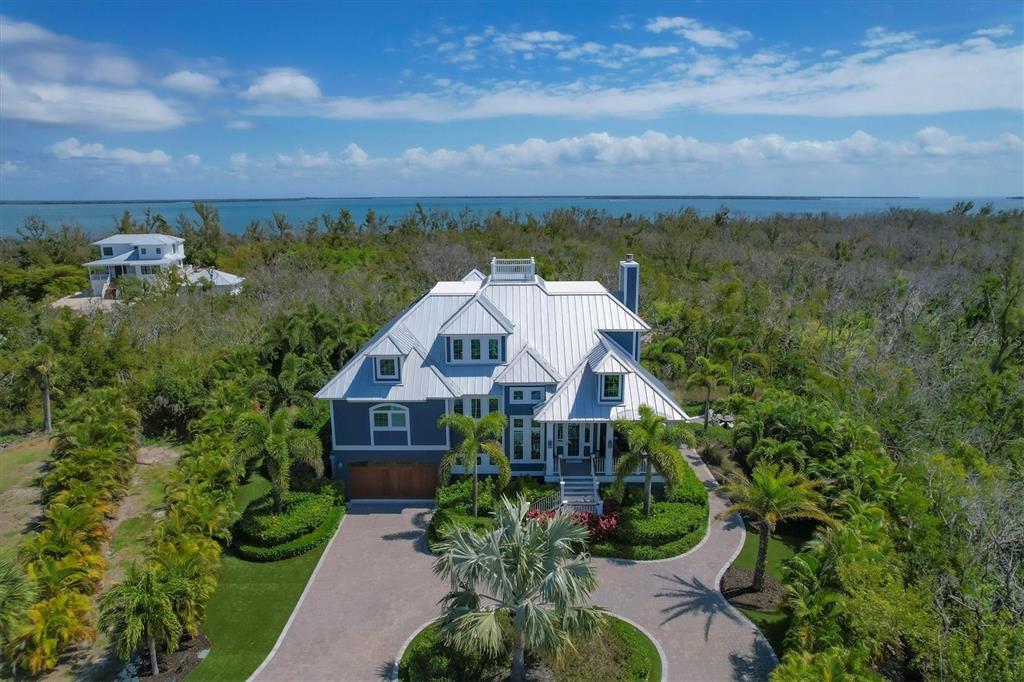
(591, 197)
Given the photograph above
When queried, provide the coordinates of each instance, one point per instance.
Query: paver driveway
(374, 587)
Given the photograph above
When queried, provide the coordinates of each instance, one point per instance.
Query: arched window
(389, 418)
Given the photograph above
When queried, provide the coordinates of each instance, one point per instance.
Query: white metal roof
(139, 239)
(554, 327)
(478, 316)
(134, 258)
(474, 275)
(603, 360)
(578, 397)
(528, 368)
(218, 278)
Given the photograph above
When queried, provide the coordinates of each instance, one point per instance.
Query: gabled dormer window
(108, 250)
(476, 349)
(611, 388)
(386, 369)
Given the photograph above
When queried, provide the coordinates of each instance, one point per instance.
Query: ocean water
(235, 215)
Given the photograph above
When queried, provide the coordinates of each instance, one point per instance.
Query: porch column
(549, 451)
(609, 439)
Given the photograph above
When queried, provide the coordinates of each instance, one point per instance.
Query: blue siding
(352, 424)
(624, 339)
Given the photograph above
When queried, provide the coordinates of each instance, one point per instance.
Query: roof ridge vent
(513, 269)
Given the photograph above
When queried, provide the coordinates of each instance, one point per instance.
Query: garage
(391, 480)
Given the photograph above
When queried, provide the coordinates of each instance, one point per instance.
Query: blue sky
(180, 100)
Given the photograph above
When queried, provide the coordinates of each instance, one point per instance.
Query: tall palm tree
(279, 445)
(478, 435)
(191, 576)
(17, 593)
(38, 369)
(771, 495)
(709, 376)
(293, 384)
(652, 441)
(529, 572)
(140, 609)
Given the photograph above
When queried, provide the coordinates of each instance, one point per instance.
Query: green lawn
(780, 548)
(251, 605)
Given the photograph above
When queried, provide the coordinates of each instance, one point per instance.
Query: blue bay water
(99, 218)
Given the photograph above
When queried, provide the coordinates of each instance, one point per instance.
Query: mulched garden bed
(177, 665)
(737, 588)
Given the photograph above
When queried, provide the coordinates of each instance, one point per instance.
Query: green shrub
(648, 552)
(443, 519)
(530, 488)
(322, 486)
(459, 495)
(303, 512)
(427, 659)
(297, 546)
(668, 522)
(690, 489)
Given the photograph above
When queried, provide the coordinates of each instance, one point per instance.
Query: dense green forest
(881, 355)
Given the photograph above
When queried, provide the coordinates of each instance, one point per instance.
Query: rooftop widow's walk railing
(513, 269)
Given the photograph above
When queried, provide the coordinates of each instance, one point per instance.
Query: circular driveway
(374, 587)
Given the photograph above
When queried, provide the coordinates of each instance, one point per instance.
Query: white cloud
(8, 168)
(880, 36)
(192, 159)
(301, 159)
(284, 83)
(654, 52)
(831, 53)
(239, 160)
(190, 81)
(49, 102)
(353, 155)
(239, 124)
(71, 148)
(916, 79)
(111, 69)
(13, 32)
(695, 32)
(656, 148)
(1000, 31)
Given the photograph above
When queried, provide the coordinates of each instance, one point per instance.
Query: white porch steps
(580, 493)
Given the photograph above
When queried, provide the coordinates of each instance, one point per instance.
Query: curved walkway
(374, 587)
(678, 602)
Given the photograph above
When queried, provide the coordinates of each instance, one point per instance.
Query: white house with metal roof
(146, 256)
(559, 359)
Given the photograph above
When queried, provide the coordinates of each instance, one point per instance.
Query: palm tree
(293, 384)
(771, 495)
(709, 376)
(192, 578)
(49, 627)
(665, 358)
(140, 609)
(279, 445)
(39, 368)
(652, 441)
(17, 593)
(528, 572)
(478, 435)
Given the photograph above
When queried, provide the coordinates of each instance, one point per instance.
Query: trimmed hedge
(668, 522)
(297, 546)
(690, 489)
(443, 519)
(303, 512)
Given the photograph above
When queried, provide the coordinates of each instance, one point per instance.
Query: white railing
(513, 269)
(599, 465)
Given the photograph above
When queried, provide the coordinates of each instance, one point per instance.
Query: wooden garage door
(391, 480)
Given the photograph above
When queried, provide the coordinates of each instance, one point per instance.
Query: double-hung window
(457, 350)
(108, 250)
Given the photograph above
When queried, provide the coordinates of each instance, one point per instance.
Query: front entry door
(574, 440)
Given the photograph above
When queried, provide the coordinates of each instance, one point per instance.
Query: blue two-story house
(560, 359)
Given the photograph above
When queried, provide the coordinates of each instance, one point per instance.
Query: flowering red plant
(599, 526)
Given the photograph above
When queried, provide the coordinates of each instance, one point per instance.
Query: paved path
(677, 601)
(374, 587)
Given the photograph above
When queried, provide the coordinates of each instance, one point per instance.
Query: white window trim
(387, 378)
(374, 428)
(527, 399)
(601, 396)
(467, 352)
